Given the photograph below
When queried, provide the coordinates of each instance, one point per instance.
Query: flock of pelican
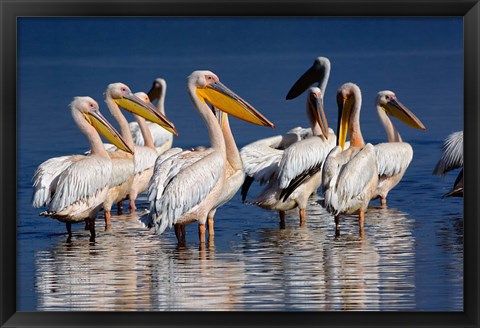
(188, 185)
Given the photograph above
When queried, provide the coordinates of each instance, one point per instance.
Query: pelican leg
(132, 205)
(69, 229)
(281, 214)
(107, 220)
(87, 224)
(120, 208)
(361, 220)
(211, 231)
(180, 233)
(383, 201)
(303, 217)
(92, 229)
(337, 228)
(201, 233)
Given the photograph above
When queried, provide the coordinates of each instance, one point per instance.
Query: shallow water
(411, 250)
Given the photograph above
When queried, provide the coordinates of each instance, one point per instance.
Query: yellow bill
(344, 111)
(227, 101)
(396, 109)
(146, 110)
(100, 123)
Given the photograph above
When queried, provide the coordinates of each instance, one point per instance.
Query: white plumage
(393, 157)
(180, 182)
(186, 185)
(349, 178)
(45, 179)
(452, 158)
(290, 164)
(352, 177)
(74, 187)
(80, 181)
(452, 154)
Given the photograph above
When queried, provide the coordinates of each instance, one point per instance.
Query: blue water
(411, 251)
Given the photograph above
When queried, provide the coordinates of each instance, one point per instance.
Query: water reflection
(296, 268)
(317, 271)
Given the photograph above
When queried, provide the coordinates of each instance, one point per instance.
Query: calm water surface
(411, 250)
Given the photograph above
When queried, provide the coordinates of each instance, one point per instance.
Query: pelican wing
(181, 181)
(302, 157)
(452, 156)
(346, 176)
(393, 158)
(82, 179)
(46, 176)
(261, 159)
(355, 175)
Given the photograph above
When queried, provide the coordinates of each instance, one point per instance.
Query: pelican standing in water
(162, 138)
(351, 176)
(452, 158)
(77, 188)
(131, 173)
(293, 174)
(187, 185)
(393, 157)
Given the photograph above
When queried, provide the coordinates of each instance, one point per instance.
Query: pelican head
(123, 96)
(315, 105)
(387, 100)
(158, 87)
(209, 88)
(348, 95)
(90, 111)
(318, 72)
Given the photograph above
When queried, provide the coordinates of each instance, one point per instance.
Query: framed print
(406, 256)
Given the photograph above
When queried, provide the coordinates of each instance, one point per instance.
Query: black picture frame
(10, 10)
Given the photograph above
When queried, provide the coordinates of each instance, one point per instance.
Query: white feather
(181, 181)
(347, 178)
(452, 156)
(302, 156)
(45, 179)
(393, 158)
(79, 181)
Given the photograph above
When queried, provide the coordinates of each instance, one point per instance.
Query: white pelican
(293, 173)
(131, 174)
(393, 157)
(74, 187)
(452, 158)
(186, 185)
(351, 176)
(161, 138)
